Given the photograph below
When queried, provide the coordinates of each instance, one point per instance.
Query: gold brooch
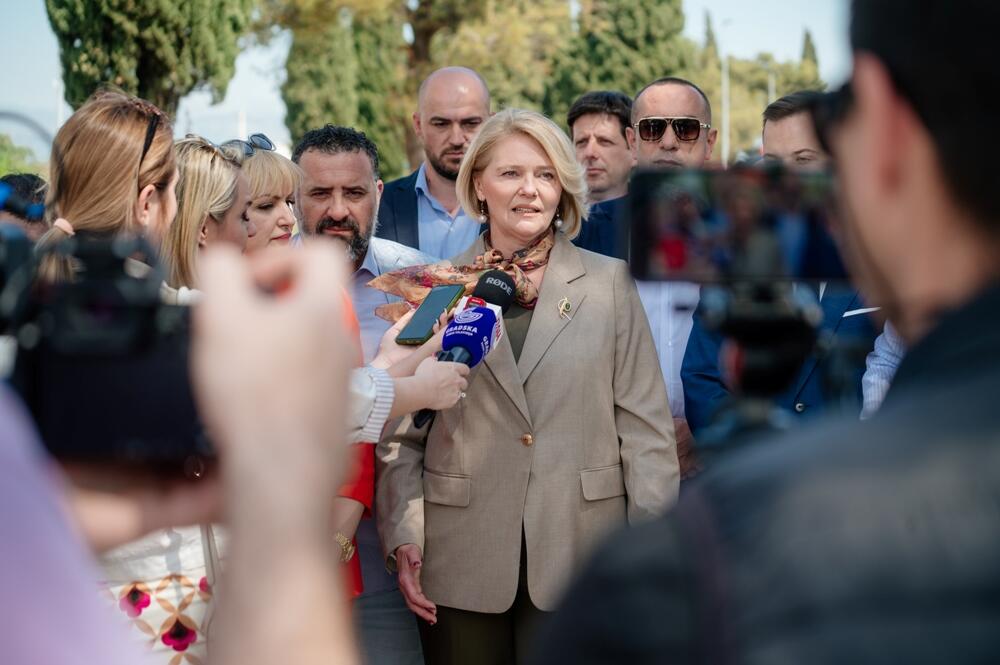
(565, 308)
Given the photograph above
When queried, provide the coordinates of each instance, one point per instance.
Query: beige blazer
(570, 443)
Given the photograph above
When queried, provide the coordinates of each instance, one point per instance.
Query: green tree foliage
(620, 45)
(16, 159)
(516, 60)
(749, 86)
(809, 50)
(384, 108)
(157, 49)
(321, 85)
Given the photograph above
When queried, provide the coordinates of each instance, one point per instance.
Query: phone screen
(421, 326)
(742, 224)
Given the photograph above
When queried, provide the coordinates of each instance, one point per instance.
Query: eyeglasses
(685, 129)
(829, 110)
(253, 143)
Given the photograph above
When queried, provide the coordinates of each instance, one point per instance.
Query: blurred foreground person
(283, 602)
(564, 433)
(856, 542)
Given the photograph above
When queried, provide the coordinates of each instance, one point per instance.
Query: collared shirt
(881, 366)
(669, 307)
(439, 234)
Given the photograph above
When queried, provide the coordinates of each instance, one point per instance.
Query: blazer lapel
(834, 306)
(546, 321)
(405, 207)
(500, 361)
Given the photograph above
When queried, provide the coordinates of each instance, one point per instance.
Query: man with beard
(421, 210)
(339, 197)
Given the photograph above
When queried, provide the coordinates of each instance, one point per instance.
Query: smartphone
(745, 224)
(421, 326)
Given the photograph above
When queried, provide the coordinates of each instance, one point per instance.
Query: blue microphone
(470, 336)
(476, 330)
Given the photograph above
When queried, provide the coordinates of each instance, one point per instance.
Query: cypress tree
(321, 84)
(157, 49)
(621, 45)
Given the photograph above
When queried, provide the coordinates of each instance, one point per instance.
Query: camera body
(101, 361)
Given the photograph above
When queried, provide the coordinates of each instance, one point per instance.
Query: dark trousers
(461, 637)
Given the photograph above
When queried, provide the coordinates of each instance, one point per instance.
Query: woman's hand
(407, 360)
(390, 353)
(408, 563)
(442, 383)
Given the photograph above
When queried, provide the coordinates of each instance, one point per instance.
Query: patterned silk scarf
(414, 283)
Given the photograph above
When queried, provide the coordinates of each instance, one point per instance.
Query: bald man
(421, 210)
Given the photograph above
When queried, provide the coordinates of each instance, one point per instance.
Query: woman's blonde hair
(98, 168)
(206, 190)
(268, 173)
(573, 204)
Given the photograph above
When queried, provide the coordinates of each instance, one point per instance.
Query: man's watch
(347, 548)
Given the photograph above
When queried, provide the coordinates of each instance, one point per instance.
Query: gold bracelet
(347, 548)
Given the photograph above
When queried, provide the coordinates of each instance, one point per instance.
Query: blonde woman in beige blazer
(564, 434)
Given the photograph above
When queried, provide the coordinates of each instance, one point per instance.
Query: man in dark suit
(855, 541)
(421, 210)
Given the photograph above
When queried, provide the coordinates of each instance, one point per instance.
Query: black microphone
(475, 330)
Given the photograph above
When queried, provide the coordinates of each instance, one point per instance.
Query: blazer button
(799, 407)
(528, 440)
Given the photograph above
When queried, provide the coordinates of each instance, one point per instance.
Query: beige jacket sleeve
(642, 416)
(399, 487)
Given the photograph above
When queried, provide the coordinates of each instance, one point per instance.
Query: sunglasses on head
(685, 129)
(828, 111)
(253, 143)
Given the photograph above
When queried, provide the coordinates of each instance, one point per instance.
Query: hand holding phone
(421, 326)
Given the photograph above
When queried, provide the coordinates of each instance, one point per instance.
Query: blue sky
(29, 76)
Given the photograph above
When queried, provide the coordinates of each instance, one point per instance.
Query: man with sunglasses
(858, 542)
(671, 128)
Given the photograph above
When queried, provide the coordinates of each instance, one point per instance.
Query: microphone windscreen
(497, 288)
(473, 330)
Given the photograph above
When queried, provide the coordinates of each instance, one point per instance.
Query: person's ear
(477, 184)
(713, 135)
(417, 127)
(887, 124)
(147, 206)
(203, 233)
(630, 140)
(379, 188)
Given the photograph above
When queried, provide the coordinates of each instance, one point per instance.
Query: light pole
(725, 111)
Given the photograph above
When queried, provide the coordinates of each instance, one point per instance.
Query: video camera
(763, 243)
(101, 362)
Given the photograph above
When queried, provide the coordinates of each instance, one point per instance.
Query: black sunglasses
(253, 143)
(685, 129)
(828, 111)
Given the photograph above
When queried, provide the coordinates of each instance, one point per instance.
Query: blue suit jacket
(603, 232)
(705, 393)
(397, 212)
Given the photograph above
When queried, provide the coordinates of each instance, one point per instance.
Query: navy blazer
(603, 232)
(397, 212)
(705, 393)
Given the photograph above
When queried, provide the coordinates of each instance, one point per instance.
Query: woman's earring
(558, 222)
(482, 212)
